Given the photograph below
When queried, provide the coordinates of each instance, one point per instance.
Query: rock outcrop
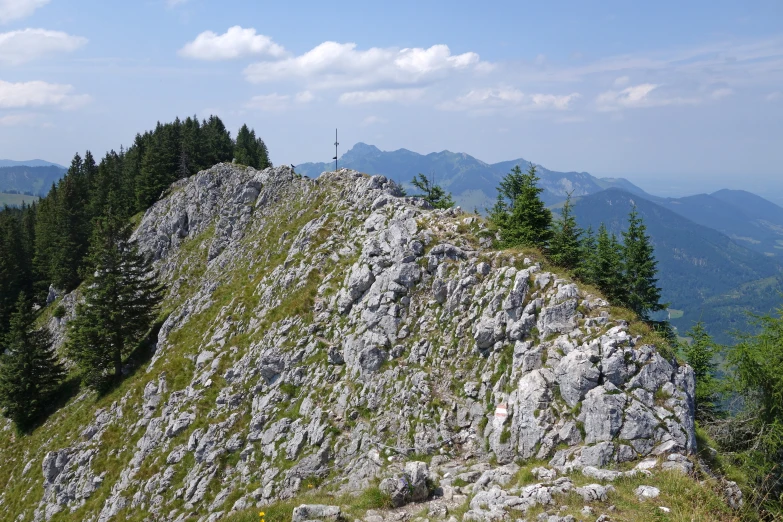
(321, 332)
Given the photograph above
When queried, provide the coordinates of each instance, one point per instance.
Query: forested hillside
(45, 243)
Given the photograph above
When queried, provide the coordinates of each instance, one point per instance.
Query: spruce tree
(245, 148)
(216, 142)
(700, 355)
(432, 192)
(29, 369)
(585, 270)
(528, 222)
(121, 298)
(12, 266)
(607, 266)
(564, 248)
(640, 267)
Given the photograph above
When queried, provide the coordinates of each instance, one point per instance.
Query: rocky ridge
(331, 335)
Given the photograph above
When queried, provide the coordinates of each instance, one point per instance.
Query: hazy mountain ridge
(36, 180)
(470, 180)
(701, 270)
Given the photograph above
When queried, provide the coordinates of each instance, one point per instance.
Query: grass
(16, 200)
(355, 505)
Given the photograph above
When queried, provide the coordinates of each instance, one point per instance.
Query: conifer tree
(564, 248)
(216, 142)
(700, 355)
(432, 192)
(29, 369)
(121, 298)
(263, 154)
(12, 266)
(528, 221)
(585, 269)
(607, 267)
(245, 148)
(640, 268)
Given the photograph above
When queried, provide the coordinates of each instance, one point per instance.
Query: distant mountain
(702, 272)
(24, 179)
(470, 180)
(748, 219)
(28, 163)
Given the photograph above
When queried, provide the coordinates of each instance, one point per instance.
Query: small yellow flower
(261, 514)
(309, 485)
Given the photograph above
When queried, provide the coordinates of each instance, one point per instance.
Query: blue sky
(678, 97)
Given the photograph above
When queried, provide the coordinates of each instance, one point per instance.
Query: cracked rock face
(320, 331)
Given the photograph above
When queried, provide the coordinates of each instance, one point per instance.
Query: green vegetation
(16, 200)
(29, 369)
(519, 213)
(121, 298)
(565, 249)
(431, 192)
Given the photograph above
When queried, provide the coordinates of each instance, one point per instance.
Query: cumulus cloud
(234, 43)
(333, 64)
(15, 9)
(29, 44)
(39, 94)
(507, 97)
(381, 96)
(278, 102)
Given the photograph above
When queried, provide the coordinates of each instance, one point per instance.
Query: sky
(678, 97)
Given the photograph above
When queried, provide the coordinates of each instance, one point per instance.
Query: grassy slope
(238, 284)
(16, 200)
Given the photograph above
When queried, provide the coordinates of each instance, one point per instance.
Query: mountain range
(719, 254)
(470, 180)
(29, 179)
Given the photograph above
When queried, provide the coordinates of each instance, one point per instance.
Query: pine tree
(29, 369)
(158, 166)
(700, 355)
(121, 297)
(245, 148)
(432, 192)
(12, 266)
(218, 147)
(528, 222)
(263, 154)
(607, 267)
(640, 268)
(564, 248)
(585, 270)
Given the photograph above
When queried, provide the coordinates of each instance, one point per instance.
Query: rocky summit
(325, 338)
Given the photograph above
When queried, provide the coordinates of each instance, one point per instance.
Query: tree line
(80, 234)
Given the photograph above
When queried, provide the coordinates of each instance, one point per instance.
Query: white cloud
(28, 44)
(12, 120)
(15, 9)
(333, 64)
(304, 97)
(175, 3)
(717, 94)
(637, 96)
(278, 102)
(507, 97)
(39, 94)
(381, 96)
(622, 80)
(774, 96)
(234, 43)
